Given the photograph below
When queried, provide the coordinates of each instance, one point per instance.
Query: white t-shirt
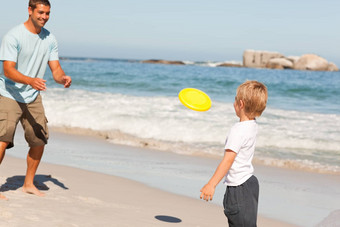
(31, 52)
(241, 140)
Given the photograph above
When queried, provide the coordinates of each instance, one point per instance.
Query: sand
(77, 197)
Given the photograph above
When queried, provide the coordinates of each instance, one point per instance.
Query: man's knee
(3, 146)
(36, 130)
(36, 152)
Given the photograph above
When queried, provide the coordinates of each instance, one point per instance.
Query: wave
(305, 139)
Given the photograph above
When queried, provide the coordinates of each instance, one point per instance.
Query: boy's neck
(240, 111)
(244, 117)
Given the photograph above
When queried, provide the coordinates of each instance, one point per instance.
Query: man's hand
(13, 74)
(38, 84)
(67, 81)
(59, 75)
(207, 192)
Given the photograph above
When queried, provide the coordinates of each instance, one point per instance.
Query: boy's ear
(241, 104)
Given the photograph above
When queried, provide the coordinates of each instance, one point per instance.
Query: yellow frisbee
(194, 99)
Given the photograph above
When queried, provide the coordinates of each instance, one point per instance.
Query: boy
(241, 196)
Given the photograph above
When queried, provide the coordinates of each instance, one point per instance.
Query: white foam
(166, 120)
(299, 130)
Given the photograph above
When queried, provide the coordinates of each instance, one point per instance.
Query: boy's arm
(13, 74)
(59, 75)
(207, 192)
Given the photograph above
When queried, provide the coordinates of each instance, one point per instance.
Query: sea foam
(305, 139)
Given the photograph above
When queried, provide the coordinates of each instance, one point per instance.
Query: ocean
(134, 103)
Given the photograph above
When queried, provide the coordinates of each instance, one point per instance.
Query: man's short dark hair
(33, 3)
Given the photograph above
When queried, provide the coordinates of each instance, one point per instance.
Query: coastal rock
(229, 64)
(258, 59)
(332, 67)
(275, 60)
(279, 63)
(311, 62)
(156, 61)
(293, 59)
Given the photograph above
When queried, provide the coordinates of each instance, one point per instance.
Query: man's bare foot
(2, 197)
(33, 190)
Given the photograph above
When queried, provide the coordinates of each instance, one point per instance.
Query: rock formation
(155, 61)
(275, 60)
(229, 64)
(311, 62)
(258, 59)
(332, 67)
(270, 60)
(279, 63)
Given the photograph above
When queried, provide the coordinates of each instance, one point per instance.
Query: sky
(189, 30)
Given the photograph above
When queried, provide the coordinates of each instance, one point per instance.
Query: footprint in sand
(5, 214)
(15, 205)
(94, 201)
(90, 200)
(32, 218)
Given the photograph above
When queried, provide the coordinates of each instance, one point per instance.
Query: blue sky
(216, 30)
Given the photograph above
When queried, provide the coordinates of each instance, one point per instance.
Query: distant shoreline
(251, 59)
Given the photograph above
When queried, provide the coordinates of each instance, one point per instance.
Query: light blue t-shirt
(31, 52)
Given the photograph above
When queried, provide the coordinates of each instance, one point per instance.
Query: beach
(79, 197)
(122, 123)
(76, 197)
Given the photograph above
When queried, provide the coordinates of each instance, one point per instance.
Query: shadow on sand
(15, 182)
(168, 219)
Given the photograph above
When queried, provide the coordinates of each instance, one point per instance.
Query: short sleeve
(54, 56)
(234, 141)
(9, 48)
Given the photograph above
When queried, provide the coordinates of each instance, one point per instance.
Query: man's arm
(208, 191)
(12, 73)
(59, 75)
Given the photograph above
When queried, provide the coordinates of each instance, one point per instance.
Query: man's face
(39, 15)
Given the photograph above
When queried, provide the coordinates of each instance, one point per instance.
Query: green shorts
(32, 117)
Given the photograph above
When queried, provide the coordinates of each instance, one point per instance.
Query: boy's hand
(207, 192)
(222, 169)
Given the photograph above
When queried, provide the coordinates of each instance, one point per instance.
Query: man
(25, 52)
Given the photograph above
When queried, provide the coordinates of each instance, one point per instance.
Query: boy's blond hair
(254, 96)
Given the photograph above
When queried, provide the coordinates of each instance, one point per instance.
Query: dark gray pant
(240, 203)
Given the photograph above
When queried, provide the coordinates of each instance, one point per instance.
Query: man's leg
(34, 123)
(10, 113)
(3, 146)
(33, 159)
